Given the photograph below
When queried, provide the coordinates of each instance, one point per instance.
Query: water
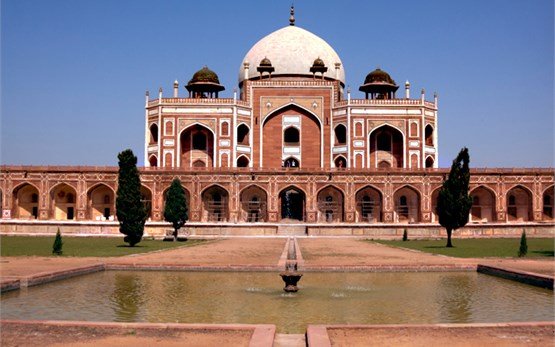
(246, 297)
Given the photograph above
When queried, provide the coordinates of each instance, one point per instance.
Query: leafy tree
(523, 250)
(130, 210)
(57, 246)
(454, 203)
(175, 210)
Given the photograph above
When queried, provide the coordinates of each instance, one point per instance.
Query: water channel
(254, 297)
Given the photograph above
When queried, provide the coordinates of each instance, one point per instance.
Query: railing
(289, 170)
(413, 102)
(197, 101)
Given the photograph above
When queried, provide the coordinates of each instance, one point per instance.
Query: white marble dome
(292, 51)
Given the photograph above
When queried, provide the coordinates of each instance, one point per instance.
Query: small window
(70, 213)
(291, 136)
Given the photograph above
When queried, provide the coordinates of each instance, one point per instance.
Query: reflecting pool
(258, 297)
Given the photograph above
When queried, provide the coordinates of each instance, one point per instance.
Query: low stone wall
(377, 231)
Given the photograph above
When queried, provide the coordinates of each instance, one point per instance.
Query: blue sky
(74, 72)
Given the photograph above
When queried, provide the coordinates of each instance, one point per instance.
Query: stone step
(289, 340)
(291, 230)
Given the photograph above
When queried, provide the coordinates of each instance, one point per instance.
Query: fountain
(290, 276)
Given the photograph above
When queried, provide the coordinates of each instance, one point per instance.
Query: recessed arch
(340, 132)
(243, 134)
(215, 204)
(369, 204)
(62, 201)
(243, 161)
(291, 105)
(386, 144)
(292, 203)
(153, 161)
(146, 199)
(430, 162)
(330, 204)
(291, 136)
(483, 204)
(519, 204)
(253, 204)
(429, 135)
(291, 162)
(340, 162)
(434, 198)
(547, 203)
(196, 142)
(25, 201)
(153, 139)
(407, 204)
(101, 202)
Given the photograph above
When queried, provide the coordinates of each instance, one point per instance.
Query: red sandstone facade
(289, 145)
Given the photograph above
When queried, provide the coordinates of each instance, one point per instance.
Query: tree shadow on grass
(545, 253)
(128, 246)
(439, 247)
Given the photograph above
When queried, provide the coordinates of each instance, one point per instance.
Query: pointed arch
(25, 201)
(519, 204)
(434, 197)
(407, 204)
(379, 151)
(62, 201)
(243, 134)
(340, 162)
(340, 132)
(430, 162)
(369, 201)
(196, 142)
(243, 161)
(292, 200)
(146, 199)
(153, 161)
(483, 204)
(215, 204)
(429, 135)
(330, 204)
(254, 201)
(153, 138)
(101, 202)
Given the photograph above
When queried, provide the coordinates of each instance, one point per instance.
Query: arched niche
(215, 203)
(197, 146)
(368, 205)
(253, 204)
(386, 147)
(101, 203)
(153, 138)
(519, 204)
(330, 205)
(25, 202)
(146, 199)
(242, 161)
(292, 202)
(407, 205)
(340, 132)
(483, 205)
(429, 135)
(547, 203)
(243, 135)
(62, 202)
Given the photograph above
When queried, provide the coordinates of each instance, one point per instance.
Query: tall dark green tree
(175, 210)
(130, 210)
(454, 202)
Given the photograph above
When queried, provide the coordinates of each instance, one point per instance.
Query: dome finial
(292, 16)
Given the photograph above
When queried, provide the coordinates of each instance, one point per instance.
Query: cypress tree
(405, 235)
(175, 210)
(454, 203)
(523, 250)
(130, 210)
(57, 246)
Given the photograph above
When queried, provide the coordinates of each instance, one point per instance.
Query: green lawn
(82, 246)
(478, 248)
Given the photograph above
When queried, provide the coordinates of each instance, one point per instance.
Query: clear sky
(74, 72)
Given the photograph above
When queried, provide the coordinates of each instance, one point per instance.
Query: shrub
(57, 246)
(405, 236)
(523, 250)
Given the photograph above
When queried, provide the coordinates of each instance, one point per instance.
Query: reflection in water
(454, 296)
(254, 298)
(128, 297)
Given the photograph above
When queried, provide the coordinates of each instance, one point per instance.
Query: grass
(82, 246)
(480, 248)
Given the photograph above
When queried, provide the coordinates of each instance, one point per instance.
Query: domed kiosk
(204, 84)
(379, 85)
